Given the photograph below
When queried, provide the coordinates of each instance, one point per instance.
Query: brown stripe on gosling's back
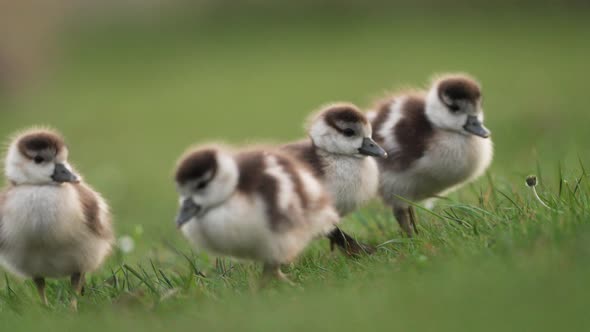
(39, 141)
(305, 152)
(289, 167)
(412, 134)
(382, 109)
(91, 209)
(253, 179)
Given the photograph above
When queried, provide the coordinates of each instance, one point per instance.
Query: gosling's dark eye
(38, 159)
(348, 132)
(454, 108)
(201, 185)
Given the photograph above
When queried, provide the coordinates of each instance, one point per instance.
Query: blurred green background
(131, 88)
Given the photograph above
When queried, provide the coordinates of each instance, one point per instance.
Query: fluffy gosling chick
(436, 142)
(51, 223)
(338, 151)
(257, 205)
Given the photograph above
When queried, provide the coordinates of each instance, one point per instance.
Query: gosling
(436, 143)
(52, 224)
(340, 151)
(255, 204)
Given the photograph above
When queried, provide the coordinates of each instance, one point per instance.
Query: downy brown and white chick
(436, 143)
(254, 204)
(52, 224)
(339, 150)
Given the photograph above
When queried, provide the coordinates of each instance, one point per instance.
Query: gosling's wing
(267, 176)
(402, 129)
(285, 191)
(96, 214)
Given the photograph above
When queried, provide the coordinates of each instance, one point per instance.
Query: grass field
(130, 100)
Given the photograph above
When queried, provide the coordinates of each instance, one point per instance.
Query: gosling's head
(205, 177)
(343, 129)
(38, 157)
(454, 103)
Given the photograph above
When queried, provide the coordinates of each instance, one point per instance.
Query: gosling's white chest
(236, 228)
(41, 215)
(451, 160)
(454, 158)
(351, 181)
(44, 233)
(240, 228)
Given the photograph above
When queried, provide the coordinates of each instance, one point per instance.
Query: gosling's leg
(40, 283)
(77, 281)
(403, 218)
(413, 218)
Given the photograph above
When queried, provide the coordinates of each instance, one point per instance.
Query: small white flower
(126, 244)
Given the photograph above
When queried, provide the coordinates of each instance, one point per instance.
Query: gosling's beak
(475, 127)
(188, 210)
(62, 174)
(370, 148)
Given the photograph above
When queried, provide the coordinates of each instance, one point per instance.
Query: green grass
(130, 100)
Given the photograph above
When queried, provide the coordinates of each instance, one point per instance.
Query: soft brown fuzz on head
(38, 140)
(343, 112)
(195, 164)
(459, 87)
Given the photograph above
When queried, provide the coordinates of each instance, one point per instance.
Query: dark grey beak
(475, 127)
(370, 148)
(188, 210)
(61, 174)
